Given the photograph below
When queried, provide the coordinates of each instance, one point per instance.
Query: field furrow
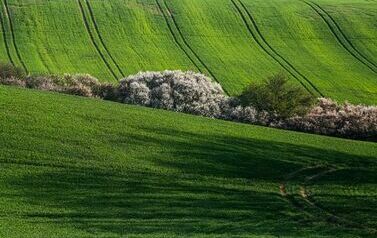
(93, 40)
(138, 37)
(341, 37)
(296, 31)
(12, 36)
(357, 19)
(101, 39)
(261, 41)
(187, 45)
(5, 40)
(327, 46)
(176, 34)
(217, 34)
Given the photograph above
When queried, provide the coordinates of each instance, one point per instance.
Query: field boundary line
(11, 28)
(91, 36)
(268, 49)
(341, 36)
(184, 41)
(91, 13)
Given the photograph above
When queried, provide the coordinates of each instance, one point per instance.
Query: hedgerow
(330, 118)
(196, 94)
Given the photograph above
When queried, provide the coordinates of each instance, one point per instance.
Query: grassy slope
(303, 38)
(75, 167)
(129, 35)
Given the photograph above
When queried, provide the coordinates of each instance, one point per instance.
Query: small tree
(277, 96)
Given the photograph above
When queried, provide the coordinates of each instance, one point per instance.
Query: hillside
(327, 46)
(77, 167)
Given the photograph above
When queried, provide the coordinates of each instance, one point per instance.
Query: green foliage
(277, 96)
(9, 71)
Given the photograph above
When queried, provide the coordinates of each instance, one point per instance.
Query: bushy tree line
(274, 103)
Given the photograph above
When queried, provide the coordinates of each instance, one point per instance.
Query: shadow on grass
(198, 185)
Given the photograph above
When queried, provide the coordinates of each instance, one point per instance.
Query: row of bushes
(273, 103)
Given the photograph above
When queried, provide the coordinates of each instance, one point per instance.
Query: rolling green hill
(78, 167)
(327, 46)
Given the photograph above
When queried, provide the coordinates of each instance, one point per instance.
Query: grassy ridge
(75, 167)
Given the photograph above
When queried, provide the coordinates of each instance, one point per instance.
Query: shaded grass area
(75, 167)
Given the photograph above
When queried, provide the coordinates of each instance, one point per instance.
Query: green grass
(77, 167)
(327, 46)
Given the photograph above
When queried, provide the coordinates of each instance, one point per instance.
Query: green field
(77, 167)
(327, 46)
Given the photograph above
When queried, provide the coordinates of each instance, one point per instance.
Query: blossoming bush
(77, 84)
(174, 90)
(330, 118)
(195, 93)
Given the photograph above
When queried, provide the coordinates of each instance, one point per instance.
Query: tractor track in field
(7, 14)
(6, 41)
(268, 49)
(175, 37)
(341, 36)
(305, 196)
(91, 36)
(101, 38)
(175, 25)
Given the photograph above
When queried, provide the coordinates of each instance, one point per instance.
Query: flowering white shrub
(173, 90)
(12, 81)
(77, 84)
(330, 118)
(195, 93)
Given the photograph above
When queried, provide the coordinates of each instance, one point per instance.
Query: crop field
(327, 46)
(77, 167)
(84, 167)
